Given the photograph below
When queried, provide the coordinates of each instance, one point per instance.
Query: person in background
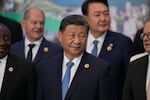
(35, 48)
(17, 76)
(137, 82)
(138, 42)
(111, 46)
(13, 26)
(87, 77)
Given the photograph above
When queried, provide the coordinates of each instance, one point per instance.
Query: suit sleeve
(127, 94)
(106, 85)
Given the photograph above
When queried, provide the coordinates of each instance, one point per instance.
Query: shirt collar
(75, 60)
(91, 38)
(4, 59)
(38, 42)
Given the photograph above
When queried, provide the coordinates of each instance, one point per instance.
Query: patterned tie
(65, 82)
(148, 91)
(94, 50)
(29, 55)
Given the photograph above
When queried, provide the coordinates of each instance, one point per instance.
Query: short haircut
(86, 3)
(27, 12)
(73, 20)
(4, 29)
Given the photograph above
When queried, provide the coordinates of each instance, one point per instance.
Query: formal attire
(14, 28)
(117, 50)
(137, 79)
(19, 79)
(90, 81)
(43, 50)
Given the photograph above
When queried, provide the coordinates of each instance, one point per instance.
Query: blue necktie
(65, 82)
(94, 50)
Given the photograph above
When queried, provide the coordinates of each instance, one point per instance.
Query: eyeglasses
(145, 34)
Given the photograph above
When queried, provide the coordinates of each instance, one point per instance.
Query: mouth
(76, 47)
(146, 44)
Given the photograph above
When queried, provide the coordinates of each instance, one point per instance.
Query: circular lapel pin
(109, 48)
(10, 69)
(45, 49)
(86, 66)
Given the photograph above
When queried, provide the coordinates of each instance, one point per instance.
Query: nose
(102, 17)
(77, 39)
(39, 25)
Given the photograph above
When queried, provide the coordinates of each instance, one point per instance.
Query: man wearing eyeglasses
(137, 82)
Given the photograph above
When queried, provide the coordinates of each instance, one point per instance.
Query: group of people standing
(90, 63)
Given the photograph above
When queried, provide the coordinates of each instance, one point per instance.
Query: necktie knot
(94, 50)
(70, 64)
(31, 46)
(95, 42)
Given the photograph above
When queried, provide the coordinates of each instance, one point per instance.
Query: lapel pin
(109, 47)
(10, 69)
(86, 66)
(45, 49)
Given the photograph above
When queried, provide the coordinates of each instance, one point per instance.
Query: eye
(96, 14)
(145, 34)
(33, 22)
(106, 13)
(82, 35)
(6, 38)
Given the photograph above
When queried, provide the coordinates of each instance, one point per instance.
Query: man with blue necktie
(74, 74)
(113, 47)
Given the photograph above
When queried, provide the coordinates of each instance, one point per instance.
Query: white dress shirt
(35, 48)
(74, 68)
(90, 45)
(2, 69)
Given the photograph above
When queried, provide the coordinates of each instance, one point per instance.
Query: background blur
(127, 15)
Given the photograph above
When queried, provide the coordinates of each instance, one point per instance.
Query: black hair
(86, 3)
(74, 20)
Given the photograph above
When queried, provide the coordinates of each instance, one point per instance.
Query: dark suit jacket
(14, 28)
(93, 83)
(20, 83)
(42, 55)
(118, 55)
(135, 83)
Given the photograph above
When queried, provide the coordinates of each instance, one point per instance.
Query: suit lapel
(21, 51)
(144, 65)
(8, 75)
(108, 45)
(40, 52)
(77, 77)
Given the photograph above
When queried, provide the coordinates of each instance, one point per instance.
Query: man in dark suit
(111, 46)
(17, 76)
(138, 75)
(33, 24)
(90, 78)
(14, 28)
